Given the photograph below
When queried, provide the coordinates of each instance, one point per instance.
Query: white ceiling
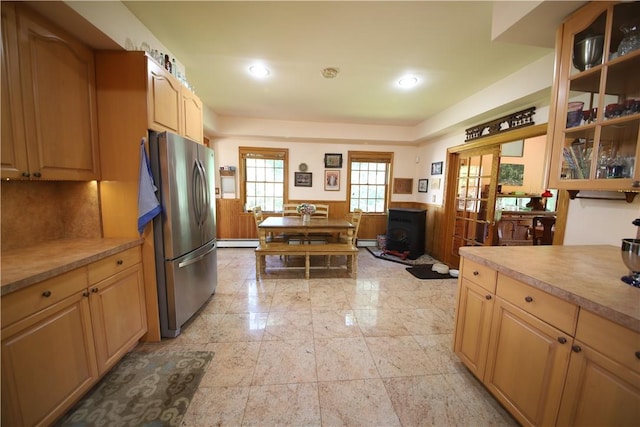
(447, 44)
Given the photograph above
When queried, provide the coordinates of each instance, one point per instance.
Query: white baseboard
(238, 243)
(252, 243)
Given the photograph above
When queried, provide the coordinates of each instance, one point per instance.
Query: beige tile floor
(331, 350)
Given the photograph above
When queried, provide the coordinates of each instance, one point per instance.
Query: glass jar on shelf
(631, 40)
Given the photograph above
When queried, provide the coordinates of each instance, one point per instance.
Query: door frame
(488, 142)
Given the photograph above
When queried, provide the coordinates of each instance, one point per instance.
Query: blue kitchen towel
(148, 205)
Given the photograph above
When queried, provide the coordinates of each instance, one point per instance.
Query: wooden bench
(307, 250)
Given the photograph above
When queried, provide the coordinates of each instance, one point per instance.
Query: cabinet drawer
(479, 274)
(551, 309)
(611, 339)
(20, 304)
(109, 266)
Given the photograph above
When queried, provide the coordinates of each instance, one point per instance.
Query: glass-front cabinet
(596, 117)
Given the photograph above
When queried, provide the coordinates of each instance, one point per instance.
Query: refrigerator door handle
(196, 259)
(196, 193)
(205, 193)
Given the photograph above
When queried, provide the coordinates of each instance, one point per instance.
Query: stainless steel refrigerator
(185, 232)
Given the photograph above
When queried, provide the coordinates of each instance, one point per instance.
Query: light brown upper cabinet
(595, 113)
(49, 119)
(171, 106)
(192, 117)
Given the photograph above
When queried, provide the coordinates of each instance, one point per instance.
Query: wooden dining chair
(290, 209)
(354, 218)
(258, 217)
(322, 211)
(542, 230)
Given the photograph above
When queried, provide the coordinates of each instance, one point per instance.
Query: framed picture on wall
(423, 185)
(435, 184)
(332, 180)
(402, 185)
(303, 179)
(436, 168)
(333, 160)
(512, 149)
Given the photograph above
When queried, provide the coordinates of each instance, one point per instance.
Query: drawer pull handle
(488, 297)
(638, 354)
(94, 290)
(562, 340)
(46, 294)
(26, 174)
(576, 348)
(119, 262)
(85, 294)
(528, 299)
(475, 273)
(37, 174)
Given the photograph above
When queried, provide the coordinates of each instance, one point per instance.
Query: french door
(471, 188)
(472, 194)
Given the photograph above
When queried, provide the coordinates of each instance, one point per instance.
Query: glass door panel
(477, 177)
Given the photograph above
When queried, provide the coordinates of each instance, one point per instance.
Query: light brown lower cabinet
(48, 362)
(526, 364)
(599, 391)
(475, 306)
(548, 361)
(603, 380)
(61, 335)
(117, 304)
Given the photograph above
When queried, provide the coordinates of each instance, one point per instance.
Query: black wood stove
(406, 232)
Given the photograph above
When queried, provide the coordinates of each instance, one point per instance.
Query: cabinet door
(192, 126)
(14, 148)
(599, 391)
(119, 315)
(473, 320)
(597, 105)
(163, 99)
(58, 90)
(527, 364)
(48, 362)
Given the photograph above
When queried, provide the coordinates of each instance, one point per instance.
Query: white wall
(435, 151)
(601, 222)
(312, 153)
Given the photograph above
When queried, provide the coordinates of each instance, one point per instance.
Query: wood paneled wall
(234, 223)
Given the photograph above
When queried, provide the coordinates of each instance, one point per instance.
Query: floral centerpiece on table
(306, 208)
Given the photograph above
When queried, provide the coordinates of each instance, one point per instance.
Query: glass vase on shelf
(631, 40)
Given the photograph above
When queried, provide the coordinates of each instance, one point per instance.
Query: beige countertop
(24, 267)
(588, 276)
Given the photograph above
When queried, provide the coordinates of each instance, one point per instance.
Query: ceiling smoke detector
(329, 72)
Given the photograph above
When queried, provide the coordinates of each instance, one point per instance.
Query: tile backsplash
(35, 212)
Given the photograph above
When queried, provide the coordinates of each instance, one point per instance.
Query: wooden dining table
(300, 240)
(294, 225)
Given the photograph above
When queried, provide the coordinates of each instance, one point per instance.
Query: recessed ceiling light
(408, 82)
(259, 70)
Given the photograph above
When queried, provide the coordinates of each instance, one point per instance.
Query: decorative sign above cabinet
(504, 124)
